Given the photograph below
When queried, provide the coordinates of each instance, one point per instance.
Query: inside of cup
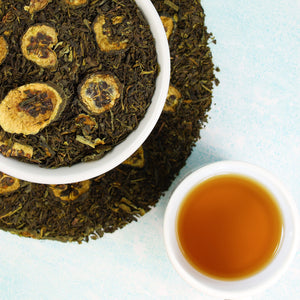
(263, 278)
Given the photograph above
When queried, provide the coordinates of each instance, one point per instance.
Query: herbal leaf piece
(86, 123)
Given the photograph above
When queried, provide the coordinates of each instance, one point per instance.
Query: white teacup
(262, 279)
(86, 170)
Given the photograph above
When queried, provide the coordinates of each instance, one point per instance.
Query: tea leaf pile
(66, 35)
(130, 190)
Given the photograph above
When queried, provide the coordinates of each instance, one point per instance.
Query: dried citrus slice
(30, 108)
(99, 91)
(37, 44)
(103, 35)
(70, 192)
(36, 5)
(8, 184)
(3, 49)
(168, 25)
(172, 99)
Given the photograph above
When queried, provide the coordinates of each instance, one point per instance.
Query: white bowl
(228, 289)
(121, 152)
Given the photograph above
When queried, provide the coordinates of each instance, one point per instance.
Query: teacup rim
(242, 287)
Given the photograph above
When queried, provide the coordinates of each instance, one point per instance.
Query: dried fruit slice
(137, 159)
(168, 25)
(31, 107)
(16, 150)
(103, 35)
(99, 91)
(36, 5)
(70, 192)
(76, 3)
(3, 49)
(37, 44)
(8, 184)
(172, 99)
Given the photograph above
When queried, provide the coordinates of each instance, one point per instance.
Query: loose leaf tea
(100, 58)
(77, 212)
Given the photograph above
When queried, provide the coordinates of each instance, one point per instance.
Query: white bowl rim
(244, 287)
(83, 171)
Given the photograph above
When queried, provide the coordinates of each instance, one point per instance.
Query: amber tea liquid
(229, 227)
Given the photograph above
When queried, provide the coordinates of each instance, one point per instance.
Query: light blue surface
(256, 119)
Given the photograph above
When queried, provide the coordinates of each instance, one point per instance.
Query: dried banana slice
(16, 150)
(172, 99)
(37, 44)
(8, 184)
(30, 108)
(137, 159)
(36, 5)
(70, 192)
(99, 91)
(76, 3)
(103, 35)
(168, 25)
(3, 49)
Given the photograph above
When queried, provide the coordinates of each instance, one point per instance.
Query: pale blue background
(256, 119)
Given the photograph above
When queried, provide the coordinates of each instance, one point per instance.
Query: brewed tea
(229, 227)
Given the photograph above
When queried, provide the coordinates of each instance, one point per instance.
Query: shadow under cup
(266, 276)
